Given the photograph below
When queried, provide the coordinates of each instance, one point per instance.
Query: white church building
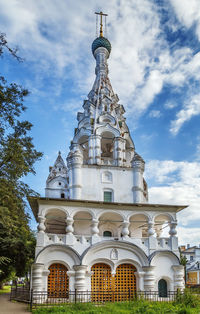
(96, 229)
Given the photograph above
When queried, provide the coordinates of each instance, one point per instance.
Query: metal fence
(40, 298)
(21, 293)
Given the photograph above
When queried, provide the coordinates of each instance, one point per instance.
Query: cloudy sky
(154, 68)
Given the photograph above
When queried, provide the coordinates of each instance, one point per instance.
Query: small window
(107, 196)
(62, 195)
(59, 169)
(107, 234)
(59, 183)
(191, 258)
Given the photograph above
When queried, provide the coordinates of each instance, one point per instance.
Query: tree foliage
(17, 158)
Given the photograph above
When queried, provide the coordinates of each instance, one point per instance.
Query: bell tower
(102, 141)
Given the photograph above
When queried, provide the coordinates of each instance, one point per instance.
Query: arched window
(62, 195)
(107, 145)
(107, 233)
(162, 288)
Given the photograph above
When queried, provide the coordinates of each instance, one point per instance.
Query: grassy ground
(6, 289)
(143, 307)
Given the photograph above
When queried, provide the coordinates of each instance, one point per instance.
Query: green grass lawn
(6, 289)
(143, 307)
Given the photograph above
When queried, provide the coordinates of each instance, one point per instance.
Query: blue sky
(154, 68)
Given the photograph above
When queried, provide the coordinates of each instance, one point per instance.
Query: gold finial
(101, 21)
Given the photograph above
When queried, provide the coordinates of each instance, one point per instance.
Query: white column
(151, 230)
(98, 149)
(149, 278)
(138, 169)
(95, 230)
(178, 277)
(91, 144)
(74, 162)
(80, 271)
(125, 230)
(45, 275)
(173, 238)
(173, 230)
(37, 269)
(119, 151)
(41, 225)
(152, 240)
(70, 238)
(40, 243)
(140, 280)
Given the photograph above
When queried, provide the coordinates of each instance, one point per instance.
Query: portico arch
(55, 221)
(110, 221)
(82, 223)
(125, 250)
(58, 281)
(161, 224)
(138, 225)
(58, 253)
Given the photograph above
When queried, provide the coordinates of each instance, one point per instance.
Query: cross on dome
(101, 21)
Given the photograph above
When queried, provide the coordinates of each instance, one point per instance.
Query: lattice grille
(101, 281)
(106, 287)
(58, 281)
(125, 282)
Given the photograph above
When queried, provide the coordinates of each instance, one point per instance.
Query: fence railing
(40, 298)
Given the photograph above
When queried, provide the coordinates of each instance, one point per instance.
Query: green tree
(17, 158)
(183, 261)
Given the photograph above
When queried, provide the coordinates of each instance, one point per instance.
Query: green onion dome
(101, 42)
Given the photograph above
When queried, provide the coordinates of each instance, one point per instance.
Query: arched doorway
(101, 282)
(58, 281)
(125, 282)
(162, 288)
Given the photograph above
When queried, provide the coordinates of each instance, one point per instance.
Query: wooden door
(125, 282)
(120, 287)
(58, 281)
(101, 282)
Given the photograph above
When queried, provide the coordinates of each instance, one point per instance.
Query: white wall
(93, 187)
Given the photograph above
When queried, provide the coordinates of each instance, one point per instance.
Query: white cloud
(191, 107)
(188, 236)
(56, 39)
(170, 105)
(154, 114)
(177, 183)
(188, 13)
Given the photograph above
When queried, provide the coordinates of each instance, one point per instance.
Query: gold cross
(101, 22)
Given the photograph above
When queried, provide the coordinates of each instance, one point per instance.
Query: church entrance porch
(107, 287)
(58, 281)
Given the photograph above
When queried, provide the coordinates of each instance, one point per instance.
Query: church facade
(96, 229)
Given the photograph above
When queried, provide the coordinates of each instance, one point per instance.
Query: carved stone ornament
(114, 254)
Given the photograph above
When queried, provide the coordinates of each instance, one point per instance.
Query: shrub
(188, 299)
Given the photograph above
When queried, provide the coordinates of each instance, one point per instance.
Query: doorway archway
(58, 281)
(106, 287)
(125, 282)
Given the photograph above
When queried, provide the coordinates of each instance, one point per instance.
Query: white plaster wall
(93, 187)
(163, 263)
(125, 254)
(55, 192)
(82, 228)
(56, 253)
